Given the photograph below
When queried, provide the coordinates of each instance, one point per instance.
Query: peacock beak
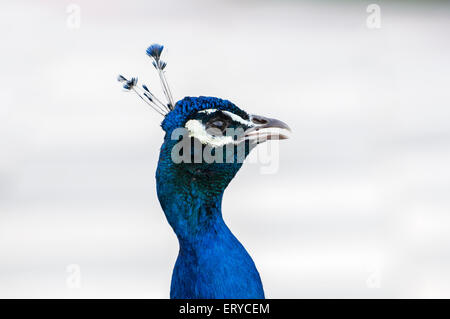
(265, 129)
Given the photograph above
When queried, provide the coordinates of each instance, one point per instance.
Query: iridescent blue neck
(211, 263)
(191, 214)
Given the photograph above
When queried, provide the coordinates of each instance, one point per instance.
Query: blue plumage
(188, 106)
(211, 262)
(155, 50)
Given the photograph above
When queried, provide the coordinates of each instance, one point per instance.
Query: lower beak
(265, 129)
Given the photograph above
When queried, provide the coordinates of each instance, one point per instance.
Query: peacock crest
(154, 51)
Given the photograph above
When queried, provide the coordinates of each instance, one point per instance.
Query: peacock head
(206, 138)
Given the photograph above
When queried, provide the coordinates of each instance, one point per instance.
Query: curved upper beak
(265, 129)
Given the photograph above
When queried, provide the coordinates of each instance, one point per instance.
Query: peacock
(206, 141)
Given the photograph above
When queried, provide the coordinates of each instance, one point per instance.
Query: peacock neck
(192, 215)
(191, 202)
(211, 262)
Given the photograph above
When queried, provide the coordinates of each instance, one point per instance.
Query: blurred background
(358, 207)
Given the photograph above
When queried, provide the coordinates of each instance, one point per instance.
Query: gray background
(359, 206)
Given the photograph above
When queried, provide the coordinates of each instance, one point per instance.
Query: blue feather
(130, 83)
(155, 50)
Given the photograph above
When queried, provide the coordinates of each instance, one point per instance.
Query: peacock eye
(219, 124)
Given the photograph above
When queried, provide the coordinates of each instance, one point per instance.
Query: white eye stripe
(233, 116)
(208, 111)
(237, 118)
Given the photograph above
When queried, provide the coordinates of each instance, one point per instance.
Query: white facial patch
(198, 130)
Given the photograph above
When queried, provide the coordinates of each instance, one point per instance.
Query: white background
(359, 206)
